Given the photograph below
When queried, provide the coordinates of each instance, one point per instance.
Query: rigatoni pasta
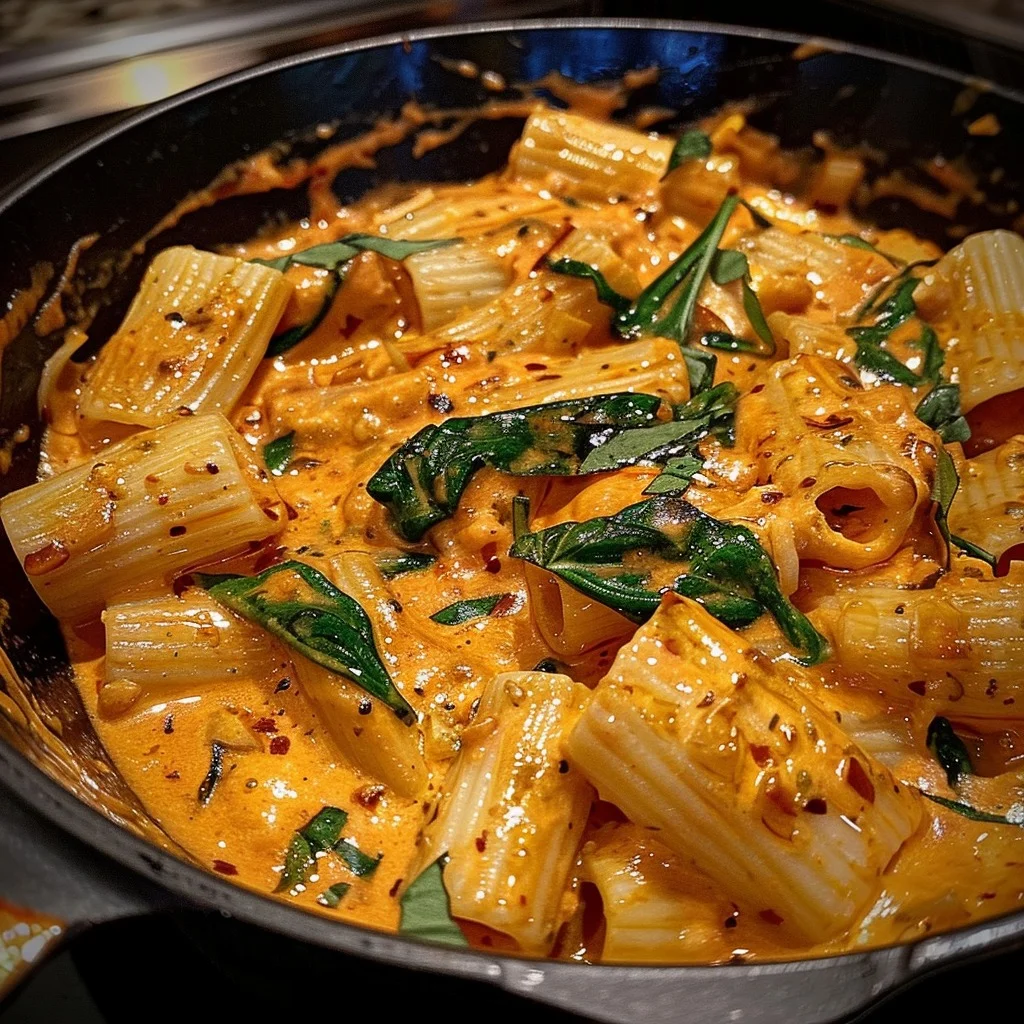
(613, 558)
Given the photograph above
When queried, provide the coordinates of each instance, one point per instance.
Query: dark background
(193, 966)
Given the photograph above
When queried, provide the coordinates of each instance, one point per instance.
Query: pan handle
(52, 886)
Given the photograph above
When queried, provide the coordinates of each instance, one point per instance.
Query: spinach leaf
(645, 446)
(967, 811)
(944, 488)
(277, 454)
(319, 834)
(300, 606)
(605, 292)
(334, 895)
(856, 242)
(399, 563)
(940, 409)
(949, 750)
(759, 218)
(676, 476)
(728, 570)
(700, 367)
(731, 265)
(421, 483)
(475, 608)
(691, 145)
(727, 342)
(893, 313)
(213, 775)
(334, 256)
(426, 910)
(362, 865)
(728, 265)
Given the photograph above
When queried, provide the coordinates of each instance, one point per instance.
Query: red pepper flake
(770, 916)
(816, 805)
(1012, 554)
(177, 531)
(173, 776)
(169, 725)
(489, 552)
(771, 497)
(761, 754)
(265, 725)
(440, 403)
(46, 559)
(280, 745)
(859, 781)
(369, 796)
(707, 700)
(481, 842)
(507, 604)
(224, 867)
(212, 468)
(918, 686)
(808, 481)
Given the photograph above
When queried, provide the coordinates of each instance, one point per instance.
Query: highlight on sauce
(612, 559)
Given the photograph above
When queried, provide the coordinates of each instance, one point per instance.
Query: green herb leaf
(759, 218)
(396, 248)
(645, 446)
(298, 859)
(949, 751)
(755, 314)
(726, 342)
(300, 606)
(324, 828)
(426, 911)
(968, 548)
(728, 570)
(967, 811)
(944, 489)
(277, 454)
(729, 265)
(894, 312)
(362, 865)
(213, 776)
(281, 343)
(940, 409)
(474, 608)
(605, 292)
(391, 566)
(421, 483)
(691, 145)
(676, 476)
(334, 895)
(700, 367)
(856, 242)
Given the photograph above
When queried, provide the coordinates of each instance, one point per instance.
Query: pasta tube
(849, 462)
(988, 509)
(567, 154)
(144, 510)
(511, 811)
(454, 278)
(179, 647)
(695, 733)
(192, 339)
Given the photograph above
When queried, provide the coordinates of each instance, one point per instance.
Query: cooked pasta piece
(959, 646)
(988, 509)
(455, 278)
(695, 733)
(657, 908)
(850, 462)
(161, 502)
(171, 647)
(191, 339)
(566, 154)
(978, 290)
(587, 246)
(511, 811)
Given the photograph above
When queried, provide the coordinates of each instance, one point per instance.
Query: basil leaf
(944, 489)
(967, 811)
(974, 551)
(755, 314)
(728, 570)
(331, 255)
(716, 407)
(277, 454)
(300, 606)
(362, 865)
(940, 409)
(691, 145)
(426, 911)
(676, 476)
(320, 833)
(421, 483)
(213, 776)
(398, 564)
(729, 342)
(324, 828)
(605, 292)
(334, 895)
(949, 750)
(474, 608)
(728, 265)
(700, 366)
(396, 248)
(281, 343)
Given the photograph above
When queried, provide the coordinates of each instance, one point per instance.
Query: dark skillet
(121, 183)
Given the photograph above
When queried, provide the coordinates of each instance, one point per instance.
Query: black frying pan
(121, 183)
